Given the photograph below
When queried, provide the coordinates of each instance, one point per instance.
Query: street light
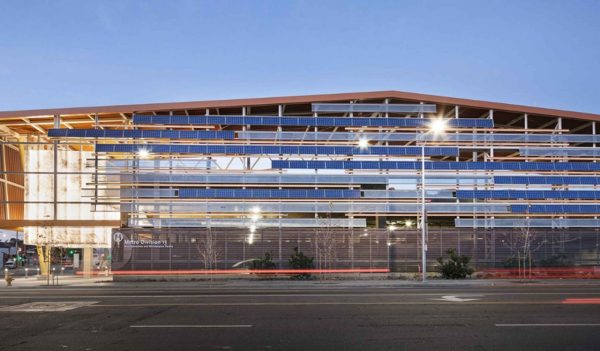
(143, 153)
(255, 213)
(252, 229)
(363, 143)
(437, 126)
(254, 217)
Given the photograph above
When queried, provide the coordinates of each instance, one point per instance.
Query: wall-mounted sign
(147, 243)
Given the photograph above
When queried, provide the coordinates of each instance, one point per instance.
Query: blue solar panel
(546, 180)
(530, 166)
(268, 193)
(165, 134)
(293, 150)
(555, 209)
(308, 121)
(528, 194)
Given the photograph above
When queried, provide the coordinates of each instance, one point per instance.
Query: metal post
(17, 250)
(49, 259)
(423, 214)
(55, 203)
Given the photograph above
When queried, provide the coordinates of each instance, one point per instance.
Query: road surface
(155, 316)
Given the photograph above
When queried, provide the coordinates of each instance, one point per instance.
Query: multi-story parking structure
(345, 178)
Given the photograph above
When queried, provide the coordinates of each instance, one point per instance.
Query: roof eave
(299, 99)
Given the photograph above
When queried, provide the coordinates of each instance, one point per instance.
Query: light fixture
(438, 125)
(363, 143)
(255, 213)
(408, 223)
(391, 227)
(143, 153)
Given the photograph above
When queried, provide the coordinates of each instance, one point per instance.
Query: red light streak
(543, 273)
(582, 301)
(250, 271)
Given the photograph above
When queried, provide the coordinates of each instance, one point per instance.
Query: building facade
(349, 179)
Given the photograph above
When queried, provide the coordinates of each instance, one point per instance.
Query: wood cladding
(12, 181)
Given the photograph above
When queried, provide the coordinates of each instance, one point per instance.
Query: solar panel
(267, 193)
(307, 121)
(137, 133)
(555, 209)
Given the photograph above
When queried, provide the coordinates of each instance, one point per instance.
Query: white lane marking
(279, 295)
(53, 306)
(225, 304)
(192, 326)
(550, 325)
(452, 298)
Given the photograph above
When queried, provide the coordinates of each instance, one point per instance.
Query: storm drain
(54, 306)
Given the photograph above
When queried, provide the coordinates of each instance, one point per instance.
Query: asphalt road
(194, 317)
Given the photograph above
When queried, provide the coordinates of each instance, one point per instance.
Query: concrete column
(88, 262)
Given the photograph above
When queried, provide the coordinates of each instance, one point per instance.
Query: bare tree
(208, 250)
(521, 245)
(326, 243)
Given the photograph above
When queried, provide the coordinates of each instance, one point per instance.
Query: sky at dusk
(82, 53)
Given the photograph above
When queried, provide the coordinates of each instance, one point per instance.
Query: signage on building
(118, 237)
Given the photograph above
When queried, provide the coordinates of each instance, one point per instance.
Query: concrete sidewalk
(102, 281)
(62, 281)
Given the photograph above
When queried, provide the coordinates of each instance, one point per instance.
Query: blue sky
(79, 53)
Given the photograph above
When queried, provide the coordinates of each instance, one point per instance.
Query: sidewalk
(62, 281)
(107, 282)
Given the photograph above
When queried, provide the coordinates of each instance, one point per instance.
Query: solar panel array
(137, 133)
(413, 136)
(278, 150)
(338, 150)
(362, 107)
(555, 209)
(527, 222)
(528, 194)
(269, 193)
(547, 180)
(509, 166)
(562, 151)
(309, 121)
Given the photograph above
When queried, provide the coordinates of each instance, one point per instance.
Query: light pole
(390, 231)
(436, 127)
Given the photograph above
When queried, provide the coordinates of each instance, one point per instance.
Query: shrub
(300, 261)
(511, 262)
(560, 260)
(515, 262)
(457, 267)
(264, 263)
